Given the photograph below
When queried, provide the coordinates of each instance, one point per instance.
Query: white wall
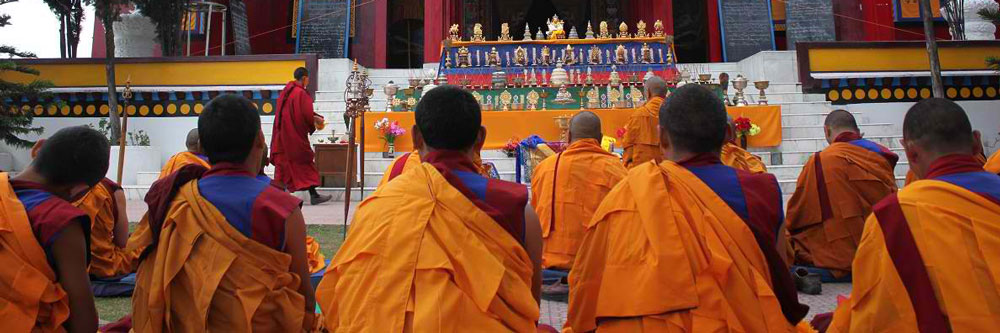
(984, 115)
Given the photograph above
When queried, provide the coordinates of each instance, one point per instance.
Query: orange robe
(181, 159)
(993, 164)
(642, 134)
(736, 157)
(565, 200)
(654, 260)
(317, 261)
(957, 246)
(407, 161)
(30, 297)
(106, 259)
(204, 275)
(422, 257)
(827, 212)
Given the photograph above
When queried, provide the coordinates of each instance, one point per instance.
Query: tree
(168, 16)
(70, 13)
(17, 122)
(109, 12)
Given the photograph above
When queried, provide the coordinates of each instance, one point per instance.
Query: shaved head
(939, 126)
(655, 87)
(841, 120)
(585, 125)
(193, 142)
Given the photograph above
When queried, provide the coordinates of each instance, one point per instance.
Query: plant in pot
(389, 131)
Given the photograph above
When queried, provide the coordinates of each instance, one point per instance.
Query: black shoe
(318, 199)
(807, 282)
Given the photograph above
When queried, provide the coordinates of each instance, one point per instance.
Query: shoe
(315, 200)
(555, 289)
(807, 282)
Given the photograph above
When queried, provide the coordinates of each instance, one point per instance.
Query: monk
(640, 142)
(105, 205)
(834, 193)
(993, 164)
(411, 160)
(926, 258)
(291, 152)
(687, 245)
(979, 155)
(44, 284)
(223, 251)
(193, 155)
(736, 157)
(440, 248)
(567, 188)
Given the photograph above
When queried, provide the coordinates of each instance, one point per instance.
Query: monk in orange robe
(223, 251)
(105, 205)
(687, 245)
(192, 156)
(928, 253)
(641, 140)
(317, 261)
(834, 194)
(567, 188)
(993, 164)
(44, 285)
(979, 155)
(440, 248)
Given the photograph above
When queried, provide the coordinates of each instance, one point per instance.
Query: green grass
(328, 236)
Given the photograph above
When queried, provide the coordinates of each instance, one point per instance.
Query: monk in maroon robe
(291, 151)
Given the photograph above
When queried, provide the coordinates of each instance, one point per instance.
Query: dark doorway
(691, 31)
(405, 44)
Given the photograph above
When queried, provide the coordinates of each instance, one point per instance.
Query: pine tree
(15, 122)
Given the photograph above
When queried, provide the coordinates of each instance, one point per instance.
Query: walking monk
(440, 248)
(223, 251)
(568, 187)
(193, 155)
(641, 141)
(687, 245)
(928, 254)
(44, 239)
(291, 152)
(736, 157)
(834, 194)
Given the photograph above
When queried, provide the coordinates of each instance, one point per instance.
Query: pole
(348, 178)
(223, 42)
(208, 30)
(126, 95)
(932, 49)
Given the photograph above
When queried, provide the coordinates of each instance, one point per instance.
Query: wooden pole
(932, 49)
(121, 142)
(348, 179)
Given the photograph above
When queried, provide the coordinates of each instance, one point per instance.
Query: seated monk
(440, 248)
(44, 285)
(567, 188)
(641, 140)
(234, 246)
(927, 258)
(193, 155)
(834, 193)
(105, 205)
(317, 261)
(687, 245)
(736, 157)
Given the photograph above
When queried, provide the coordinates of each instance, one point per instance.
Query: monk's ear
(665, 145)
(480, 139)
(37, 147)
(418, 138)
(977, 142)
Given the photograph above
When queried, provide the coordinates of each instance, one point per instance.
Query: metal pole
(223, 42)
(932, 49)
(187, 25)
(348, 178)
(208, 30)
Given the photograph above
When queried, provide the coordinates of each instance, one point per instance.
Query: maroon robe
(291, 151)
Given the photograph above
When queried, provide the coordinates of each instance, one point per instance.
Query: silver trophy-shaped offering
(740, 83)
(762, 85)
(390, 90)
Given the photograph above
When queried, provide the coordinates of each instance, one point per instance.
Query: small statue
(573, 34)
(453, 33)
(527, 32)
(546, 56)
(658, 29)
(647, 54)
(590, 31)
(540, 35)
(604, 34)
(623, 30)
(447, 60)
(505, 33)
(570, 57)
(590, 76)
(621, 55)
(640, 30)
(463, 57)
(555, 28)
(493, 59)
(477, 33)
(520, 56)
(614, 79)
(595, 55)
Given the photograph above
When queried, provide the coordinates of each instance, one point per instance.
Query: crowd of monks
(686, 231)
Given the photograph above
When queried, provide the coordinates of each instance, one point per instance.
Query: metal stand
(357, 95)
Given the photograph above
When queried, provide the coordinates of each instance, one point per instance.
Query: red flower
(620, 132)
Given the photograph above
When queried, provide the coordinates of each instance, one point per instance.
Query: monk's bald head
(193, 143)
(655, 87)
(585, 125)
(939, 126)
(838, 122)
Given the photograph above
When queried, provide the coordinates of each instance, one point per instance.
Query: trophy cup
(582, 93)
(762, 85)
(390, 90)
(544, 94)
(740, 83)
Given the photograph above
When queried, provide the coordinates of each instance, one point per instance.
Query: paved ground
(327, 213)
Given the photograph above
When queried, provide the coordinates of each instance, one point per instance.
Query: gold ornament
(453, 33)
(647, 54)
(505, 99)
(463, 57)
(604, 34)
(546, 56)
(658, 29)
(595, 55)
(570, 58)
(477, 33)
(640, 30)
(532, 100)
(520, 56)
(621, 56)
(505, 33)
(623, 30)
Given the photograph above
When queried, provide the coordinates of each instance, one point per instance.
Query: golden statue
(477, 33)
(453, 33)
(647, 54)
(640, 30)
(546, 56)
(604, 34)
(505, 32)
(570, 58)
(658, 29)
(463, 57)
(493, 59)
(520, 56)
(595, 54)
(555, 28)
(623, 30)
(621, 55)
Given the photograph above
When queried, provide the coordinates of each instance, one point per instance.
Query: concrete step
(806, 107)
(804, 131)
(816, 118)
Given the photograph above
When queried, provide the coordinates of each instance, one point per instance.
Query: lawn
(328, 236)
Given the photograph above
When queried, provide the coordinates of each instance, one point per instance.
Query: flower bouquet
(511, 147)
(620, 133)
(744, 129)
(389, 130)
